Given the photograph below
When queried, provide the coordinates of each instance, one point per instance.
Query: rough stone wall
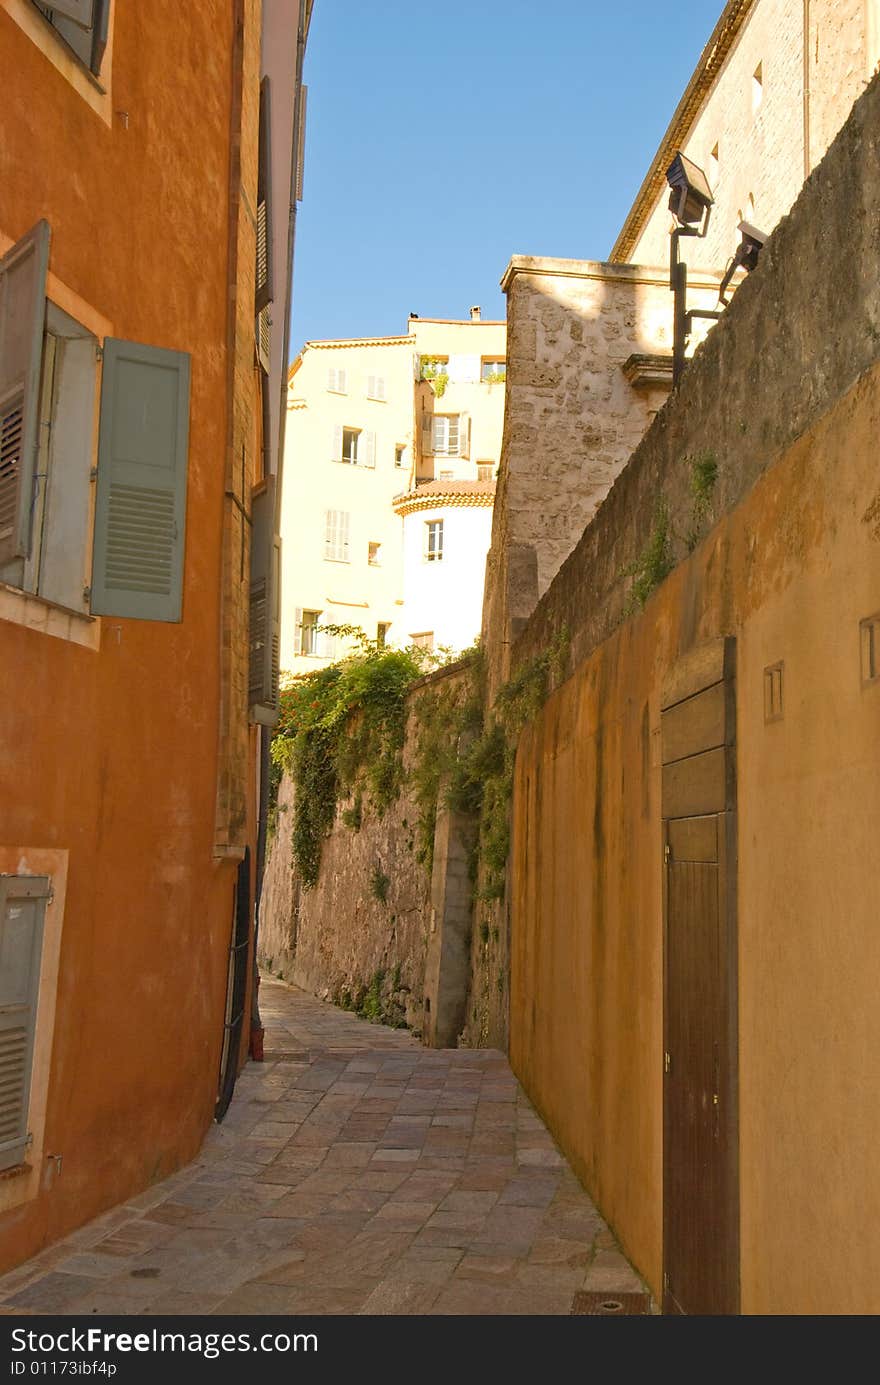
(572, 417)
(333, 940)
(801, 329)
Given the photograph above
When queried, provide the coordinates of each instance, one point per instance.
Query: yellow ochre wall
(790, 572)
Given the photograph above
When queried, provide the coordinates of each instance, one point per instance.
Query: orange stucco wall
(791, 572)
(112, 753)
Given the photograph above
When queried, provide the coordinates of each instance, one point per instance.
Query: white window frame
(313, 635)
(433, 540)
(337, 380)
(444, 445)
(376, 388)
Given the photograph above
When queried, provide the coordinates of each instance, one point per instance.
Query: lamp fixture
(691, 202)
(745, 257)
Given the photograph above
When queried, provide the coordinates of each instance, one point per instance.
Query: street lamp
(691, 202)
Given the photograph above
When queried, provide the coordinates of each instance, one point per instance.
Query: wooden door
(700, 1129)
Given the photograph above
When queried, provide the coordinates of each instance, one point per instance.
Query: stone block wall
(572, 417)
(336, 939)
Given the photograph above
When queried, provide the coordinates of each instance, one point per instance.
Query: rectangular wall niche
(869, 640)
(773, 692)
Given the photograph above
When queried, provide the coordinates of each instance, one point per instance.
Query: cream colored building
(392, 448)
(773, 86)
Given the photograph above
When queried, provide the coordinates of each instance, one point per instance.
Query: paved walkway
(355, 1172)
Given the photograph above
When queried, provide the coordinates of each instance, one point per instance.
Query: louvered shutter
(337, 443)
(341, 381)
(297, 630)
(22, 317)
(301, 142)
(140, 506)
(343, 520)
(329, 533)
(263, 285)
(265, 607)
(264, 339)
(22, 910)
(464, 435)
(427, 435)
(368, 443)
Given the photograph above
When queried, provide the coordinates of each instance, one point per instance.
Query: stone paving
(355, 1172)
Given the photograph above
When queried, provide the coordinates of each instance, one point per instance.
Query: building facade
(393, 447)
(774, 84)
(134, 604)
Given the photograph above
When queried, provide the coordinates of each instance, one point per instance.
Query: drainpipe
(305, 7)
(806, 89)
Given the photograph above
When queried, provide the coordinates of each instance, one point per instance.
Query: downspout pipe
(266, 731)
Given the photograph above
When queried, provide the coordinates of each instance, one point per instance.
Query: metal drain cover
(610, 1305)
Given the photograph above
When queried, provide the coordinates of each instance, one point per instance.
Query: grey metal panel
(80, 11)
(22, 912)
(22, 317)
(140, 506)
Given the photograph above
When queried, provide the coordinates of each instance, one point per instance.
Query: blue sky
(444, 138)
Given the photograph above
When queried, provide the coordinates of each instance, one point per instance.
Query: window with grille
(434, 540)
(336, 536)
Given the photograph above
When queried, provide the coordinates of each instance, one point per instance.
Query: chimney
(475, 314)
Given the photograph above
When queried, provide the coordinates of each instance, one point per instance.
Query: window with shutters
(82, 25)
(433, 540)
(400, 454)
(336, 548)
(309, 632)
(446, 435)
(48, 382)
(423, 640)
(354, 446)
(23, 900)
(336, 380)
(376, 387)
(485, 471)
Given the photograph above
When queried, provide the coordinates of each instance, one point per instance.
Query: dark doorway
(700, 1107)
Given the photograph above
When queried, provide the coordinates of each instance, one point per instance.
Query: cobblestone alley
(355, 1172)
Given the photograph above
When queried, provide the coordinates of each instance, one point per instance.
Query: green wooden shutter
(140, 506)
(22, 318)
(263, 287)
(22, 910)
(265, 607)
